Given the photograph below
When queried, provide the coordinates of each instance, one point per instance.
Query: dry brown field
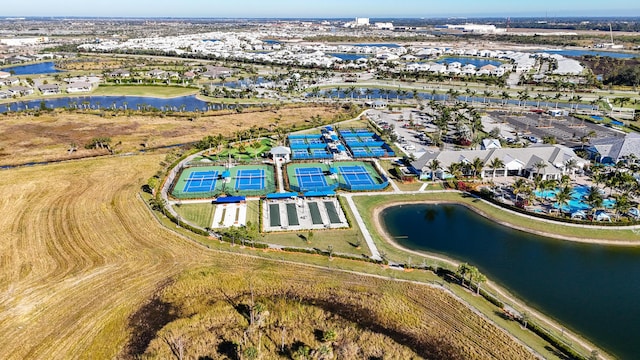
(83, 260)
(80, 254)
(25, 138)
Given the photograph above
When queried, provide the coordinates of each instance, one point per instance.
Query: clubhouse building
(548, 161)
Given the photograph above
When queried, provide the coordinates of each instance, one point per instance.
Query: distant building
(78, 87)
(49, 89)
(476, 28)
(10, 81)
(217, 71)
(376, 104)
(120, 73)
(24, 41)
(384, 25)
(20, 91)
(362, 21)
(358, 22)
(157, 73)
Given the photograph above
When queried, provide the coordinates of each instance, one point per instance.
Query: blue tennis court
(250, 179)
(310, 178)
(201, 181)
(356, 175)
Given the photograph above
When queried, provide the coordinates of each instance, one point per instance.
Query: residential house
(217, 71)
(120, 73)
(486, 70)
(10, 81)
(78, 87)
(49, 89)
(20, 91)
(157, 74)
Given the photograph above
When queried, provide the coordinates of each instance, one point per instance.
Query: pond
(33, 69)
(347, 56)
(591, 289)
(478, 62)
(183, 103)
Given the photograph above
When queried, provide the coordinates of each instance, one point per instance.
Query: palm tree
(539, 96)
(351, 90)
(622, 204)
(455, 169)
(547, 186)
(368, 92)
(519, 187)
(434, 166)
(479, 278)
(463, 270)
(594, 198)
(495, 164)
(487, 93)
(570, 165)
(476, 165)
(563, 196)
(505, 97)
(539, 166)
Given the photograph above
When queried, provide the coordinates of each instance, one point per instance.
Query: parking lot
(566, 129)
(408, 140)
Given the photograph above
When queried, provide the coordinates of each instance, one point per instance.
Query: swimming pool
(577, 199)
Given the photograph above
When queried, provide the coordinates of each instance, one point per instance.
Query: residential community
(384, 187)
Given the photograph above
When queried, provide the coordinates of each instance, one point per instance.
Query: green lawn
(144, 90)
(252, 150)
(198, 214)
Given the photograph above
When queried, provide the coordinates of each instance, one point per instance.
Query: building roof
(280, 150)
(617, 147)
(46, 87)
(555, 156)
(79, 85)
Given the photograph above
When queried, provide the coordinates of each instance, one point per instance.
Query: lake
(33, 69)
(188, 103)
(591, 289)
(347, 56)
(478, 62)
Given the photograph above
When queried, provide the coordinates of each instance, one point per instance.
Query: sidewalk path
(375, 254)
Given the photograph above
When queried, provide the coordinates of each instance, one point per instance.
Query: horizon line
(9, 17)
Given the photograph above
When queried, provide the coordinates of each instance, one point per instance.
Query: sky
(318, 8)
